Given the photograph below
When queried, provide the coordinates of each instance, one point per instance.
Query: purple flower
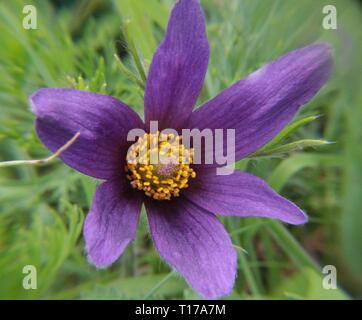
(185, 230)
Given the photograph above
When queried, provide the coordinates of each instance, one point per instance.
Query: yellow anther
(166, 178)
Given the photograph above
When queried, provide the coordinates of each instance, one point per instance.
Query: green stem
(41, 161)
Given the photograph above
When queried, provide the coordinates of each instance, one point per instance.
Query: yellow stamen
(171, 173)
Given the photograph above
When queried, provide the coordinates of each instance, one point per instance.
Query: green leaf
(287, 131)
(129, 74)
(289, 148)
(288, 167)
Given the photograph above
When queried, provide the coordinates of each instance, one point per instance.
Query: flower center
(159, 164)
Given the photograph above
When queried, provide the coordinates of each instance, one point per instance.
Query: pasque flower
(182, 214)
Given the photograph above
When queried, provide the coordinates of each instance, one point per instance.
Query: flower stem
(41, 161)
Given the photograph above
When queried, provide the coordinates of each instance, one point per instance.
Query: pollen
(159, 164)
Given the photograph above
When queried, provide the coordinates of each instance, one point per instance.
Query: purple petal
(103, 123)
(196, 244)
(261, 105)
(178, 68)
(111, 222)
(242, 194)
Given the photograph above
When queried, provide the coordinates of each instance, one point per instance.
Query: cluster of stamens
(159, 164)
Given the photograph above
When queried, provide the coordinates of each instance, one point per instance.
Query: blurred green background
(42, 208)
